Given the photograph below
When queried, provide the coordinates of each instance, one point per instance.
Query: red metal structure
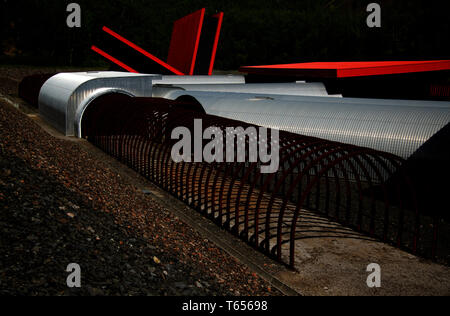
(112, 59)
(348, 69)
(185, 41)
(219, 17)
(140, 50)
(187, 36)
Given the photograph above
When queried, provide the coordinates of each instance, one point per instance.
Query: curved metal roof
(64, 97)
(293, 88)
(395, 126)
(202, 79)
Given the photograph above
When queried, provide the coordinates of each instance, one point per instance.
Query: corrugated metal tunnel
(64, 97)
(349, 168)
(394, 126)
(322, 188)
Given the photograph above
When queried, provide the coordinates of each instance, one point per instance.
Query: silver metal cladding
(294, 88)
(64, 97)
(201, 80)
(399, 127)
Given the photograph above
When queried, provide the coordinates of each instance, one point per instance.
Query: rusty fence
(321, 189)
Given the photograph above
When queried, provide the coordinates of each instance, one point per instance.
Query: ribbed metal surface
(64, 97)
(395, 126)
(294, 88)
(221, 79)
(318, 184)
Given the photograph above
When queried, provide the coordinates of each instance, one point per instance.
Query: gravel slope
(59, 205)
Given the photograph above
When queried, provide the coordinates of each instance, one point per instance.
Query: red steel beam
(348, 69)
(114, 60)
(218, 16)
(142, 51)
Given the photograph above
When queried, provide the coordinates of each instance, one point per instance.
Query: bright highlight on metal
(395, 126)
(64, 97)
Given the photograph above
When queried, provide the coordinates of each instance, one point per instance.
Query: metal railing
(322, 188)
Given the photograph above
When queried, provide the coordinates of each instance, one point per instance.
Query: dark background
(34, 32)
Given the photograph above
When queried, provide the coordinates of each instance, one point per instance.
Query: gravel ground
(60, 205)
(11, 76)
